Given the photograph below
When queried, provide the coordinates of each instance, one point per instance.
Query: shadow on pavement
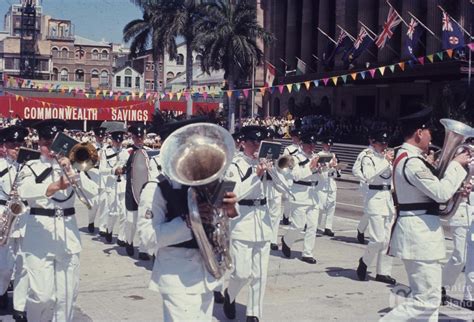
(348, 273)
(348, 240)
(240, 311)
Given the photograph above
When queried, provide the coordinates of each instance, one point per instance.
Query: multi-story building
(128, 79)
(294, 24)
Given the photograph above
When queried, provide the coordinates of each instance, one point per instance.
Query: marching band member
(251, 231)
(468, 207)
(417, 236)
(179, 272)
(328, 190)
(306, 178)
(376, 168)
(51, 244)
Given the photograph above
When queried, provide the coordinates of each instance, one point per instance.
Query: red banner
(79, 109)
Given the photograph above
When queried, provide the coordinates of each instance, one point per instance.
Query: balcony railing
(60, 37)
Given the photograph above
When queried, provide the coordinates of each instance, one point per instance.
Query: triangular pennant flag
(17, 97)
(382, 70)
(178, 95)
(87, 95)
(104, 92)
(307, 84)
(344, 78)
(372, 72)
(316, 83)
(392, 68)
(440, 55)
(147, 96)
(140, 95)
(262, 90)
(430, 58)
(401, 65)
(334, 80)
(362, 74)
(170, 94)
(280, 88)
(111, 94)
(354, 76)
(43, 104)
(229, 94)
(421, 60)
(325, 81)
(127, 98)
(187, 95)
(97, 92)
(297, 86)
(450, 53)
(289, 86)
(204, 94)
(471, 46)
(272, 89)
(246, 92)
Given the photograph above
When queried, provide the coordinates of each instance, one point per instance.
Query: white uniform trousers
(379, 232)
(327, 210)
(424, 278)
(102, 211)
(54, 284)
(456, 262)
(92, 213)
(287, 208)
(363, 223)
(116, 210)
(275, 208)
(303, 215)
(188, 307)
(21, 283)
(469, 288)
(250, 261)
(7, 262)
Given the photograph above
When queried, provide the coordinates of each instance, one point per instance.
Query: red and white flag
(271, 72)
(392, 21)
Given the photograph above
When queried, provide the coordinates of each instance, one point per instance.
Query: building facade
(128, 79)
(295, 25)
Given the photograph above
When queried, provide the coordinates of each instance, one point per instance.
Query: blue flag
(453, 36)
(414, 33)
(360, 45)
(343, 44)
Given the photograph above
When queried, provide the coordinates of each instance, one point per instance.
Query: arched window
(64, 53)
(95, 54)
(55, 52)
(104, 78)
(180, 59)
(64, 75)
(128, 71)
(80, 53)
(169, 75)
(105, 55)
(95, 73)
(79, 75)
(198, 58)
(55, 74)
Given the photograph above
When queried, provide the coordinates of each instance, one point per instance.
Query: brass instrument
(455, 134)
(83, 156)
(197, 155)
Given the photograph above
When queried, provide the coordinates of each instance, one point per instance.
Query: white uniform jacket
(291, 149)
(328, 182)
(50, 235)
(111, 158)
(418, 235)
(305, 194)
(176, 269)
(376, 171)
(357, 169)
(254, 222)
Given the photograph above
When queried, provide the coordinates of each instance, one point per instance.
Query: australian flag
(360, 45)
(453, 36)
(343, 44)
(414, 33)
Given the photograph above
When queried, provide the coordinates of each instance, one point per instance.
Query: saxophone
(14, 208)
(197, 155)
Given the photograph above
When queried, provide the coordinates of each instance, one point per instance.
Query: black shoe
(19, 316)
(285, 221)
(273, 246)
(444, 296)
(362, 270)
(229, 308)
(102, 233)
(121, 243)
(309, 260)
(385, 279)
(360, 237)
(328, 232)
(467, 304)
(285, 249)
(91, 228)
(218, 297)
(252, 319)
(108, 236)
(4, 301)
(129, 249)
(143, 256)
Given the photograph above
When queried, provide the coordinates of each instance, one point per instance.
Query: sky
(93, 19)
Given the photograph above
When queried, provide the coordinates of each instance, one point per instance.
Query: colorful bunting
(401, 65)
(354, 76)
(421, 60)
(382, 70)
(280, 88)
(289, 86)
(392, 68)
(430, 58)
(440, 55)
(334, 80)
(325, 81)
(450, 53)
(344, 78)
(246, 92)
(316, 83)
(307, 84)
(372, 72)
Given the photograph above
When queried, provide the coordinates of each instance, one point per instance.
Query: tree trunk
(231, 104)
(189, 78)
(156, 81)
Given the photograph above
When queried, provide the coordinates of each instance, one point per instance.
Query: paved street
(114, 287)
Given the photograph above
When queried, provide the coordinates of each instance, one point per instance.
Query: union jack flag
(411, 28)
(360, 37)
(447, 25)
(392, 21)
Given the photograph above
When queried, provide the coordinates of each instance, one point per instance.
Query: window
(55, 74)
(128, 81)
(149, 85)
(64, 75)
(80, 53)
(198, 58)
(118, 81)
(12, 63)
(105, 55)
(95, 73)
(150, 66)
(64, 53)
(95, 54)
(180, 59)
(55, 52)
(128, 71)
(44, 65)
(104, 78)
(137, 82)
(79, 75)
(169, 76)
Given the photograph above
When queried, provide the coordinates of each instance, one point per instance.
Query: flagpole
(316, 57)
(457, 23)
(390, 5)
(375, 36)
(424, 26)
(347, 33)
(325, 34)
(253, 88)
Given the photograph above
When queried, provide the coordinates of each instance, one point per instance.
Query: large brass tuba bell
(198, 155)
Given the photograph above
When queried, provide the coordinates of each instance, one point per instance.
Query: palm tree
(148, 32)
(227, 34)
